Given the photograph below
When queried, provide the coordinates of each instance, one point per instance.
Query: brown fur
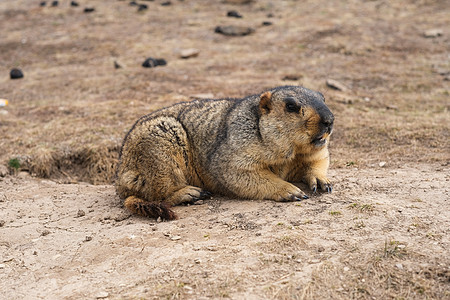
(249, 148)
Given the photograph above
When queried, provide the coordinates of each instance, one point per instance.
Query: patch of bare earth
(382, 234)
(371, 238)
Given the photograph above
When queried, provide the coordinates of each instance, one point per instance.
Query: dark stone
(167, 3)
(89, 9)
(234, 14)
(232, 30)
(55, 3)
(161, 62)
(267, 23)
(74, 3)
(43, 3)
(133, 3)
(117, 65)
(16, 74)
(142, 7)
(154, 62)
(292, 77)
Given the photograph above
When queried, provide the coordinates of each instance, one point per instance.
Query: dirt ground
(382, 234)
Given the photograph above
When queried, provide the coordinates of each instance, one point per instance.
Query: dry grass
(389, 272)
(90, 163)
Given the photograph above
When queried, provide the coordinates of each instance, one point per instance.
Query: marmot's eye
(292, 105)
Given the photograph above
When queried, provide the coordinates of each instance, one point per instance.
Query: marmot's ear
(265, 103)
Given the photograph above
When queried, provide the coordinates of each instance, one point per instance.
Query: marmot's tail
(149, 209)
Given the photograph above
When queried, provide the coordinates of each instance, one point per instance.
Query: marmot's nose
(328, 120)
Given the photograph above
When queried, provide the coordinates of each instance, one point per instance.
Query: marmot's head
(296, 114)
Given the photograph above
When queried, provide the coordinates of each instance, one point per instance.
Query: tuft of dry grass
(390, 272)
(44, 162)
(92, 163)
(98, 162)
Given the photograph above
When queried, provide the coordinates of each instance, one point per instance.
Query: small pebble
(167, 3)
(142, 7)
(432, 33)
(153, 62)
(292, 77)
(89, 9)
(3, 172)
(392, 107)
(175, 237)
(55, 3)
(2, 197)
(336, 85)
(74, 3)
(266, 23)
(2, 223)
(188, 53)
(43, 3)
(212, 248)
(382, 164)
(346, 269)
(117, 65)
(234, 14)
(102, 295)
(232, 30)
(88, 238)
(399, 266)
(45, 232)
(133, 3)
(197, 261)
(80, 213)
(16, 74)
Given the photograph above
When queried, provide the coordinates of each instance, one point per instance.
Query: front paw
(321, 181)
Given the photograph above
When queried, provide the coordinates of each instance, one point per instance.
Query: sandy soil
(382, 234)
(373, 237)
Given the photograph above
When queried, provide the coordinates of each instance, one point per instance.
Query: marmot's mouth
(320, 140)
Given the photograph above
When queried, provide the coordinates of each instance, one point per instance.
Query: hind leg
(156, 164)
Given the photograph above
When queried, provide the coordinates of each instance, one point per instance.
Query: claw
(305, 197)
(205, 195)
(314, 189)
(297, 198)
(329, 189)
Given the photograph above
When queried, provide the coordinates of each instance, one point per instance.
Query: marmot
(250, 148)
